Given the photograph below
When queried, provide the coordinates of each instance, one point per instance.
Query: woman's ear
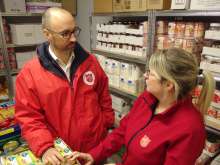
(169, 85)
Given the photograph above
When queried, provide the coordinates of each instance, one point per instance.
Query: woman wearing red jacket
(164, 126)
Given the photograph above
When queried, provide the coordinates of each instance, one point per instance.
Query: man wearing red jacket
(62, 93)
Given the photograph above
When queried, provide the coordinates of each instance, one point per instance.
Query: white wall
(84, 10)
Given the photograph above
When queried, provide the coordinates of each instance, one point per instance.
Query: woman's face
(154, 84)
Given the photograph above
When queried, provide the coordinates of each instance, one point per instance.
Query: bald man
(63, 92)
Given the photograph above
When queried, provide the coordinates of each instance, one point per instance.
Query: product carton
(14, 6)
(70, 5)
(118, 6)
(205, 5)
(183, 4)
(23, 34)
(135, 5)
(101, 6)
(159, 4)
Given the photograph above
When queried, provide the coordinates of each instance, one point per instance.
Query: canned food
(178, 43)
(162, 27)
(189, 29)
(188, 45)
(180, 29)
(162, 42)
(171, 28)
(199, 29)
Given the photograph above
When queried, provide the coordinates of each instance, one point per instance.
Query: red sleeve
(115, 140)
(186, 148)
(112, 143)
(29, 115)
(105, 98)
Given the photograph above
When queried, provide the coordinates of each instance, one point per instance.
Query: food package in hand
(64, 150)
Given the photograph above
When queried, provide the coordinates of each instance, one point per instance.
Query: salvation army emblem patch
(89, 78)
(145, 140)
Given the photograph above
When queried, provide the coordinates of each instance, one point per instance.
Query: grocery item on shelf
(27, 157)
(127, 38)
(124, 76)
(3, 89)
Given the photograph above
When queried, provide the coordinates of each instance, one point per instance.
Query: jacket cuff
(43, 149)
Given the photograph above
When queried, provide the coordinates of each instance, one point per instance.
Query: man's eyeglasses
(67, 34)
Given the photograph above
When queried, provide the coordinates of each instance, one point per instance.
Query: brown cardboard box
(159, 4)
(102, 6)
(69, 5)
(135, 5)
(118, 5)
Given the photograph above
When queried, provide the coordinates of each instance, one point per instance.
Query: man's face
(62, 33)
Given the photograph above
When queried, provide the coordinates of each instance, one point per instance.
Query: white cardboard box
(23, 34)
(205, 4)
(39, 37)
(14, 6)
(180, 4)
(211, 51)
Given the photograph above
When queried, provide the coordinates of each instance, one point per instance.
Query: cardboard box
(70, 5)
(118, 6)
(39, 37)
(14, 6)
(129, 5)
(205, 5)
(159, 4)
(135, 5)
(101, 6)
(183, 4)
(23, 34)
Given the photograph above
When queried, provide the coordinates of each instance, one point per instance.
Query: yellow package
(64, 150)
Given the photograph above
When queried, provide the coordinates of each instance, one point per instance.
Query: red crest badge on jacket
(145, 140)
(89, 78)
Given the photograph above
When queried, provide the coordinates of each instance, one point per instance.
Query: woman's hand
(84, 156)
(52, 157)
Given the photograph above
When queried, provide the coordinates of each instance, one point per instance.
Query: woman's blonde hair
(181, 68)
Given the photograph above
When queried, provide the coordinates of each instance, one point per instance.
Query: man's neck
(62, 55)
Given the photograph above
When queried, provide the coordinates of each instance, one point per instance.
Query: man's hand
(52, 157)
(86, 157)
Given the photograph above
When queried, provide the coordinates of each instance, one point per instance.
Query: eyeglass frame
(147, 73)
(76, 31)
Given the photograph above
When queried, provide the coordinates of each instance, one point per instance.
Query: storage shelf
(3, 73)
(123, 57)
(188, 13)
(19, 46)
(123, 14)
(122, 92)
(15, 71)
(20, 14)
(212, 130)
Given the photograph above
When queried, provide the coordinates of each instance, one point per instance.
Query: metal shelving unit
(212, 130)
(122, 93)
(123, 57)
(20, 14)
(19, 46)
(153, 16)
(20, 17)
(103, 17)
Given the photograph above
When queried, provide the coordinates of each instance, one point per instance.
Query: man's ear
(46, 33)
